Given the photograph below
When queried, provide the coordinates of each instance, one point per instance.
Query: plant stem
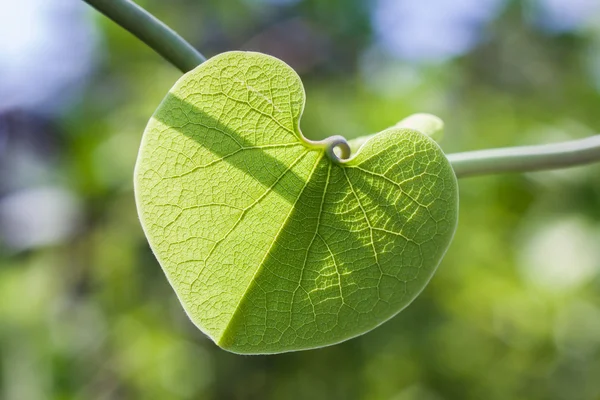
(151, 31)
(526, 158)
(181, 54)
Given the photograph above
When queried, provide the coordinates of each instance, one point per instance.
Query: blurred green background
(514, 309)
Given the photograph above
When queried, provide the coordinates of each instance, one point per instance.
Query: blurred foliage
(513, 312)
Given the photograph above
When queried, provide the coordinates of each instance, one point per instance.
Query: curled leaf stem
(151, 31)
(330, 144)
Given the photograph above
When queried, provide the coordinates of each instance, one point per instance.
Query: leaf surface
(271, 245)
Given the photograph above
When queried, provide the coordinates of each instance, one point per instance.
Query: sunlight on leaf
(269, 244)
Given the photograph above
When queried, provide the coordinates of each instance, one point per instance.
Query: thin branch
(527, 158)
(151, 31)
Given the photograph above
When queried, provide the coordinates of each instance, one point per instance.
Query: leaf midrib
(252, 281)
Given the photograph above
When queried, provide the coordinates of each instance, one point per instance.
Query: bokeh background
(514, 310)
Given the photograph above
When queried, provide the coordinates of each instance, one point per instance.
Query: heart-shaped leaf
(270, 243)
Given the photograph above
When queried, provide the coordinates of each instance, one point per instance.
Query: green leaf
(270, 243)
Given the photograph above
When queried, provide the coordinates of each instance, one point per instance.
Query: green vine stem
(181, 54)
(527, 158)
(151, 31)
